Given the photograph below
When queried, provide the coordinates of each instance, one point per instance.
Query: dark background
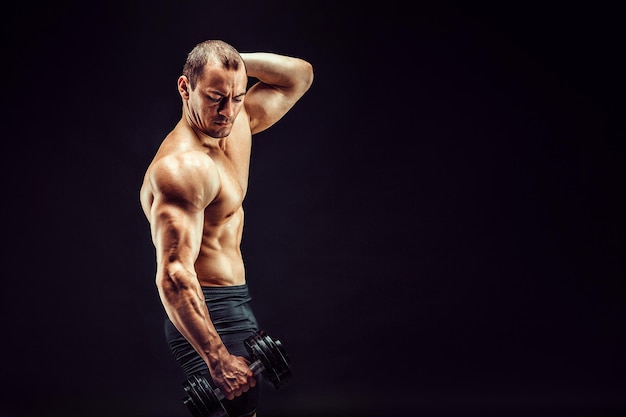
(436, 229)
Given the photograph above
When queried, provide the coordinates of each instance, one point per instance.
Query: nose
(226, 108)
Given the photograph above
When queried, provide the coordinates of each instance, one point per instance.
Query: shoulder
(189, 176)
(188, 162)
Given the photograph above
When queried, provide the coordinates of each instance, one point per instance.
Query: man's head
(213, 86)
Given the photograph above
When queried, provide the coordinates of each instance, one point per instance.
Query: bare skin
(193, 191)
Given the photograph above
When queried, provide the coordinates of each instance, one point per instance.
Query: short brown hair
(211, 50)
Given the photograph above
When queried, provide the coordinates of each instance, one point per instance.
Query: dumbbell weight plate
(194, 400)
(281, 365)
(201, 399)
(273, 357)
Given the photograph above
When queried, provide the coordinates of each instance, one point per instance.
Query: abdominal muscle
(220, 262)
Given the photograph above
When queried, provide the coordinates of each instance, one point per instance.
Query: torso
(219, 261)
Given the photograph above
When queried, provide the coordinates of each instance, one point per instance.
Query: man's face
(217, 100)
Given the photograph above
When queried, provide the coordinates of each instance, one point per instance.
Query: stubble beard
(220, 132)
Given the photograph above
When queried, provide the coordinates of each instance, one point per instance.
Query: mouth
(222, 122)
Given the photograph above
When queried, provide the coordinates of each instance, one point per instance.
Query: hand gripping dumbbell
(268, 359)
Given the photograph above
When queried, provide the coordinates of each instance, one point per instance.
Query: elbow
(174, 279)
(300, 76)
(307, 75)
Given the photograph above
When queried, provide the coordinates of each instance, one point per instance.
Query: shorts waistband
(226, 291)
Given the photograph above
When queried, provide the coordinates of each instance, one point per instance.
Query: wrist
(216, 354)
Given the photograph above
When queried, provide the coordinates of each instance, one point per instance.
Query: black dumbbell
(269, 358)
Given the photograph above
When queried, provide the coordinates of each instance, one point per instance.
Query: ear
(183, 87)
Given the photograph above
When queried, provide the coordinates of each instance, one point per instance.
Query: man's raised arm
(283, 80)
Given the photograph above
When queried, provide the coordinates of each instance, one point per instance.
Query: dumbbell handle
(256, 367)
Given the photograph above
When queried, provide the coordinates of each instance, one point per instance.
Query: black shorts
(233, 319)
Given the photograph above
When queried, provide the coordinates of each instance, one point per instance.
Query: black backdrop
(434, 230)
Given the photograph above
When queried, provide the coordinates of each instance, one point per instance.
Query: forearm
(285, 72)
(185, 306)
